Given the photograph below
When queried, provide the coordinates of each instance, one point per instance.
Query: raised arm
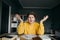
(41, 28)
(20, 28)
(18, 17)
(44, 19)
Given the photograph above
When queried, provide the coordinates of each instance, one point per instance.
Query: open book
(45, 37)
(28, 36)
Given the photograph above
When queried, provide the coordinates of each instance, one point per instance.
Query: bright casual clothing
(26, 28)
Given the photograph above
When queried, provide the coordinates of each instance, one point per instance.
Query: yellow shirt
(26, 28)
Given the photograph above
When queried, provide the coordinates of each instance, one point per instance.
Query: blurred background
(8, 9)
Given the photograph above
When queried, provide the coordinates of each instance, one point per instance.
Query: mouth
(30, 20)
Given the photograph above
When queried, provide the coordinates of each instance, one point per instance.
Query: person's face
(31, 19)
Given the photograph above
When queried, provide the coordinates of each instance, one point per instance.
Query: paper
(45, 37)
(28, 36)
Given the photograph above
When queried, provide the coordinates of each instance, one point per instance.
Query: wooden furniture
(10, 37)
(1, 36)
(35, 37)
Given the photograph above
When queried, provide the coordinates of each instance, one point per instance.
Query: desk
(35, 37)
(29, 37)
(45, 37)
(11, 37)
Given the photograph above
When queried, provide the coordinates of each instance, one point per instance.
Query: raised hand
(18, 17)
(44, 19)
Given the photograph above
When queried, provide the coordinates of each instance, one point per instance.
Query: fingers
(46, 17)
(18, 17)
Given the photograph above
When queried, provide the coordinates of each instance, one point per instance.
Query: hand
(18, 17)
(44, 19)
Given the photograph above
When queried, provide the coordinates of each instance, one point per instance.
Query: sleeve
(40, 29)
(20, 28)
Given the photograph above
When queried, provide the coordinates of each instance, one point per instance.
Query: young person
(31, 26)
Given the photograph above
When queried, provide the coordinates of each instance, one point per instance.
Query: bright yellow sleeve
(20, 28)
(41, 29)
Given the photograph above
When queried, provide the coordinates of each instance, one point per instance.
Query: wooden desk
(12, 37)
(36, 38)
(40, 37)
(1, 36)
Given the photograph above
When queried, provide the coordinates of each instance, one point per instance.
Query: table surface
(34, 37)
(39, 37)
